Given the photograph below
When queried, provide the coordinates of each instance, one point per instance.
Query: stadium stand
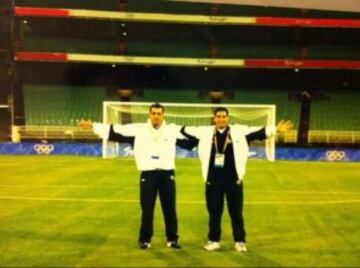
(40, 43)
(65, 104)
(59, 105)
(341, 112)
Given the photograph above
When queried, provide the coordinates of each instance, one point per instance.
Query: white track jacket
(238, 135)
(153, 148)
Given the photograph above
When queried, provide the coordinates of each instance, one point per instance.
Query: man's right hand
(87, 124)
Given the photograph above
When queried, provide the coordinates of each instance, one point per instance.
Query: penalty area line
(70, 186)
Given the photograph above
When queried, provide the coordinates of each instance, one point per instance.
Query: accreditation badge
(219, 160)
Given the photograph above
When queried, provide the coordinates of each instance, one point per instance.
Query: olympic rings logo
(335, 155)
(44, 148)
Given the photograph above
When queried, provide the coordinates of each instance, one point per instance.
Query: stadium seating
(285, 109)
(200, 50)
(341, 112)
(257, 51)
(350, 52)
(69, 45)
(61, 105)
(168, 49)
(171, 95)
(186, 49)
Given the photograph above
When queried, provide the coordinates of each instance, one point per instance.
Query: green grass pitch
(84, 211)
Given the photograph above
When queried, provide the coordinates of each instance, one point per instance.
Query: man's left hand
(284, 126)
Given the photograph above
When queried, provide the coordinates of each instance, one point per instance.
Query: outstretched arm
(117, 133)
(102, 130)
(266, 132)
(189, 143)
(113, 136)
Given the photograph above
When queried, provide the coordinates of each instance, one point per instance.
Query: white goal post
(189, 114)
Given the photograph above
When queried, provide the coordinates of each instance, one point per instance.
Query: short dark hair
(156, 106)
(221, 109)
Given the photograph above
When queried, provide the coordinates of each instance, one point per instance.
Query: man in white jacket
(223, 151)
(154, 150)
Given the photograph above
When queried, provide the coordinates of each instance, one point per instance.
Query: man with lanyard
(154, 150)
(223, 152)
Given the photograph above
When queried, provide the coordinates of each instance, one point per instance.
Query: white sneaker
(211, 246)
(144, 245)
(240, 247)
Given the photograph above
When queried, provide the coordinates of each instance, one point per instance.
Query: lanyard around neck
(227, 141)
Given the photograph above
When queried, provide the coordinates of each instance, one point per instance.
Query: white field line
(136, 186)
(133, 201)
(304, 192)
(65, 186)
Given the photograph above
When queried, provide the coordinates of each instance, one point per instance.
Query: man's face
(156, 116)
(221, 119)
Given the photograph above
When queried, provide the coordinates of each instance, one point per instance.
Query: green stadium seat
(171, 95)
(257, 51)
(285, 109)
(36, 43)
(334, 52)
(168, 49)
(62, 105)
(340, 112)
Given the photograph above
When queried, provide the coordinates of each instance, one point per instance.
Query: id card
(219, 160)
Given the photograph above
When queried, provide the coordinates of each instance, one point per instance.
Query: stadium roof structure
(183, 18)
(338, 5)
(177, 61)
(55, 56)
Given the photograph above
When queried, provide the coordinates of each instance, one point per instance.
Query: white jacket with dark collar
(238, 136)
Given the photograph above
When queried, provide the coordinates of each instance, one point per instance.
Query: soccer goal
(189, 115)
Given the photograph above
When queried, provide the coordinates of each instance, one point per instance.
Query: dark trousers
(152, 182)
(216, 190)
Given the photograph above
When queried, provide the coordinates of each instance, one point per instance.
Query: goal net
(191, 115)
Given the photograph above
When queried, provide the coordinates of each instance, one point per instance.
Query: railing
(51, 132)
(323, 136)
(76, 133)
